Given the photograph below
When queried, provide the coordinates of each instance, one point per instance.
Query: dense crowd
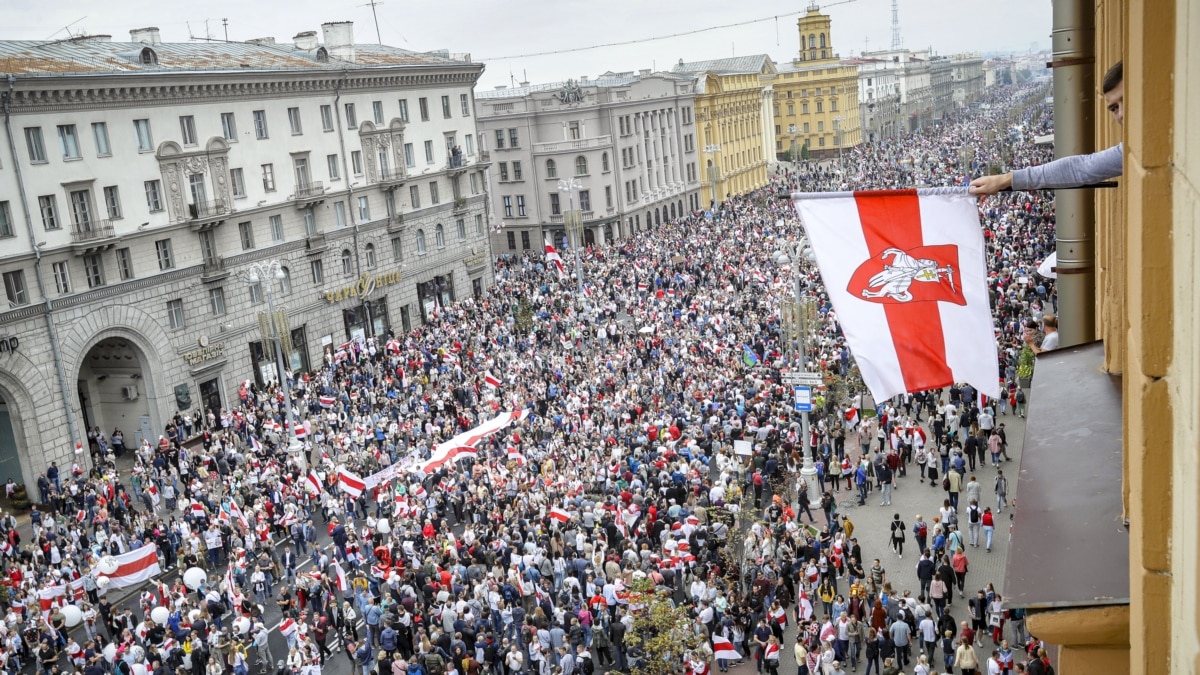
(520, 558)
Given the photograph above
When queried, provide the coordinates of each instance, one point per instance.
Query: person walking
(1001, 489)
(960, 564)
(898, 535)
(965, 659)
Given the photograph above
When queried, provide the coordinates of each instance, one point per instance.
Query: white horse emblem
(896, 278)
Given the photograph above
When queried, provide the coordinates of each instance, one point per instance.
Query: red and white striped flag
(554, 259)
(327, 401)
(313, 482)
(301, 431)
(340, 575)
(350, 483)
(197, 509)
(772, 651)
(287, 627)
(256, 444)
(723, 649)
(906, 273)
(559, 515)
(491, 380)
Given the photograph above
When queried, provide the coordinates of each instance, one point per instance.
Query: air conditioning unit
(130, 393)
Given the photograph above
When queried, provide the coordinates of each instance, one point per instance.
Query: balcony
(395, 223)
(456, 163)
(214, 270)
(391, 178)
(573, 145)
(589, 215)
(92, 230)
(207, 215)
(309, 194)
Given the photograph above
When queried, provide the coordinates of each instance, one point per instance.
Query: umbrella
(646, 329)
(1048, 266)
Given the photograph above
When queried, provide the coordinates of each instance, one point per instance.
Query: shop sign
(9, 345)
(207, 353)
(363, 287)
(475, 260)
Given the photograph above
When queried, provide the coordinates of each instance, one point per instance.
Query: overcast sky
(490, 29)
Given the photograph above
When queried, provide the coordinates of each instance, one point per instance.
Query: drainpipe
(368, 328)
(1074, 133)
(37, 264)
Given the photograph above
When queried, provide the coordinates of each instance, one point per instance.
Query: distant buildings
(903, 90)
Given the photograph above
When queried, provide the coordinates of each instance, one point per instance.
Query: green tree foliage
(662, 631)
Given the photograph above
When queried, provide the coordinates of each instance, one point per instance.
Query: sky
(492, 29)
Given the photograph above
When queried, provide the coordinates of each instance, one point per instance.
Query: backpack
(922, 530)
(434, 664)
(1020, 396)
(973, 514)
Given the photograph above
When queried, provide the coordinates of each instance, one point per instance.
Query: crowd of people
(520, 556)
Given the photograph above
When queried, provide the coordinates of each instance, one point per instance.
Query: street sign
(803, 399)
(809, 379)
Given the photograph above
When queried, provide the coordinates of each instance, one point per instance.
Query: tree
(804, 152)
(662, 631)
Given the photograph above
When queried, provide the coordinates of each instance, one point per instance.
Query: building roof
(606, 80)
(96, 55)
(805, 66)
(731, 66)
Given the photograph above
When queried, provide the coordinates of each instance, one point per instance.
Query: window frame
(175, 318)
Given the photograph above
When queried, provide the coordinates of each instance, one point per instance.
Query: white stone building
(629, 139)
(903, 90)
(139, 180)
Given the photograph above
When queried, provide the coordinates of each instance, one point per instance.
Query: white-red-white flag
(552, 258)
(559, 514)
(723, 649)
(340, 575)
(491, 380)
(906, 273)
(350, 483)
(313, 482)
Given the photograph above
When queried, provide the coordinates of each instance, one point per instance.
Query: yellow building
(816, 95)
(733, 121)
(1143, 616)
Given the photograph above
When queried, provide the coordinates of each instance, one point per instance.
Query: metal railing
(456, 161)
(92, 230)
(309, 190)
(216, 207)
(388, 175)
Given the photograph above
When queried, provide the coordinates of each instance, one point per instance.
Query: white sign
(803, 399)
(808, 379)
(743, 448)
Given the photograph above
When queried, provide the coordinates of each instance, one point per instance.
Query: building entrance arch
(115, 389)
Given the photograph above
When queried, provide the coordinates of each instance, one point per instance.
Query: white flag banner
(906, 272)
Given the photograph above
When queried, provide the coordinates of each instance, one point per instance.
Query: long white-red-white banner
(907, 275)
(461, 446)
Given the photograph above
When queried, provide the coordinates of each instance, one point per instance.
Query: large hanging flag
(906, 273)
(724, 649)
(554, 259)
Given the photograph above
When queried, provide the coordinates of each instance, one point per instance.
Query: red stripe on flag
(892, 219)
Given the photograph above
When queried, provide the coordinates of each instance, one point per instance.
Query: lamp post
(267, 273)
(837, 138)
(714, 173)
(573, 222)
(802, 311)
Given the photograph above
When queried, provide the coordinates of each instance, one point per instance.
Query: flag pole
(944, 190)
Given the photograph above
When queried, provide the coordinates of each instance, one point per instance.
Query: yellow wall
(802, 87)
(729, 114)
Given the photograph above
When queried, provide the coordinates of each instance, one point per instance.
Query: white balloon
(110, 652)
(193, 615)
(159, 615)
(107, 565)
(241, 625)
(102, 581)
(194, 577)
(72, 615)
(383, 526)
(139, 669)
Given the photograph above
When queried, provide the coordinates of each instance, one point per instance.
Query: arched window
(440, 234)
(604, 162)
(347, 263)
(812, 41)
(420, 241)
(285, 284)
(369, 254)
(322, 55)
(581, 166)
(822, 40)
(551, 169)
(148, 57)
(672, 212)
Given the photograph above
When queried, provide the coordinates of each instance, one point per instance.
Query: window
(246, 233)
(153, 195)
(347, 263)
(446, 107)
(479, 223)
(585, 200)
(512, 240)
(326, 118)
(420, 242)
(429, 152)
(555, 204)
(364, 209)
(410, 157)
(512, 138)
(351, 117)
(820, 125)
(404, 110)
(294, 121)
(474, 183)
(145, 142)
(551, 169)
(604, 163)
(574, 131)
(276, 223)
(37, 148)
(439, 234)
(508, 207)
(268, 176)
(821, 141)
(521, 205)
(100, 134)
(124, 265)
(581, 166)
(465, 102)
(48, 205)
(318, 271)
(525, 239)
(285, 281)
(423, 104)
(175, 313)
(93, 266)
(260, 124)
(433, 193)
(833, 105)
(6, 226)
(300, 168)
(414, 196)
(804, 108)
(499, 139)
(14, 288)
(216, 301)
(162, 249)
(377, 110)
(310, 224)
(516, 170)
(369, 255)
(331, 162)
(237, 181)
(187, 129)
(62, 277)
(339, 213)
(397, 248)
(470, 144)
(608, 199)
(820, 107)
(503, 166)
(112, 202)
(356, 164)
(462, 229)
(256, 293)
(791, 109)
(806, 127)
(228, 127)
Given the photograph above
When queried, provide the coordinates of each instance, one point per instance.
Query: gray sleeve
(1072, 171)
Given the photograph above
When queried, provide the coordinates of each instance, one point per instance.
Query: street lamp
(267, 273)
(714, 172)
(802, 309)
(573, 222)
(837, 139)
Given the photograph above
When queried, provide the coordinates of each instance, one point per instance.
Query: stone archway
(27, 457)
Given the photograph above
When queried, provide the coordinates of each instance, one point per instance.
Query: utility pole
(895, 24)
(225, 24)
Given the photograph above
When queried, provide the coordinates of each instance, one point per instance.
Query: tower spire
(895, 24)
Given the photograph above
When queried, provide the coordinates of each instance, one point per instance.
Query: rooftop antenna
(66, 28)
(225, 23)
(372, 5)
(895, 24)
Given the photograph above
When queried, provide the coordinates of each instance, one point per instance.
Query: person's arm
(1072, 171)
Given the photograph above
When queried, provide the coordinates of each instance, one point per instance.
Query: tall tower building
(816, 38)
